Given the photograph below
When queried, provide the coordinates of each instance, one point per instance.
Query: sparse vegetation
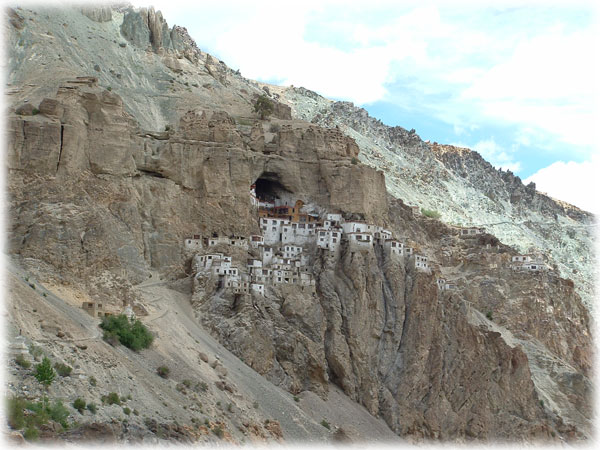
(218, 430)
(187, 383)
(79, 405)
(263, 106)
(21, 361)
(202, 386)
(430, 213)
(44, 372)
(326, 424)
(36, 352)
(31, 434)
(111, 399)
(163, 371)
(31, 416)
(131, 333)
(63, 370)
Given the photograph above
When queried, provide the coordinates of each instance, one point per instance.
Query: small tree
(263, 106)
(44, 372)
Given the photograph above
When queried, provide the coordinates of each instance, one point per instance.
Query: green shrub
(326, 424)
(59, 413)
(126, 410)
(202, 386)
(263, 106)
(489, 315)
(21, 361)
(79, 405)
(163, 371)
(354, 160)
(109, 88)
(35, 111)
(187, 383)
(431, 214)
(296, 399)
(93, 381)
(16, 418)
(131, 333)
(32, 286)
(91, 407)
(111, 399)
(63, 370)
(31, 434)
(44, 372)
(136, 412)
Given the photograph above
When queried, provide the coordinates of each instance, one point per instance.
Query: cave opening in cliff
(269, 189)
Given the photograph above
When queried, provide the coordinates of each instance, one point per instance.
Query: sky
(515, 81)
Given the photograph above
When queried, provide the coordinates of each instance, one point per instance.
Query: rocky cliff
(156, 141)
(463, 187)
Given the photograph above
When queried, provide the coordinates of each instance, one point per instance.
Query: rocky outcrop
(97, 13)
(87, 148)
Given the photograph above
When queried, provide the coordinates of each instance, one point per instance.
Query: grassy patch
(430, 213)
(21, 361)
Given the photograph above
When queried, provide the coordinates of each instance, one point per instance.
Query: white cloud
(572, 182)
(548, 84)
(533, 68)
(497, 156)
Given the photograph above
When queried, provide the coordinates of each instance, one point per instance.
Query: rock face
(97, 13)
(109, 178)
(463, 187)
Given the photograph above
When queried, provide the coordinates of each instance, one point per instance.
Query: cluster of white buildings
(230, 277)
(531, 263)
(281, 257)
(328, 236)
(286, 265)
